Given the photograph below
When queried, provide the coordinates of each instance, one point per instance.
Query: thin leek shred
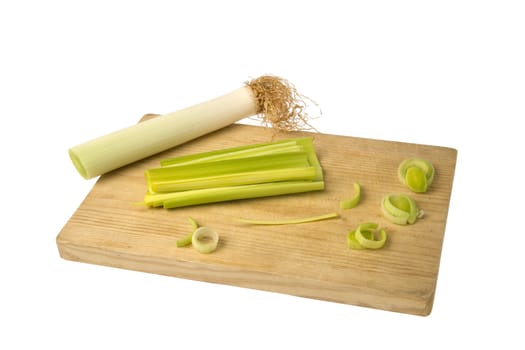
(363, 237)
(185, 241)
(354, 201)
(416, 173)
(252, 171)
(289, 221)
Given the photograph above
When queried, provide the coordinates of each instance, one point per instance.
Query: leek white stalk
(272, 97)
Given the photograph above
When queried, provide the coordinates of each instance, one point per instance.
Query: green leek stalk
(272, 97)
(240, 173)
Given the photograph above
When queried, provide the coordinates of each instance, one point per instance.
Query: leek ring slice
(354, 201)
(416, 173)
(364, 238)
(205, 240)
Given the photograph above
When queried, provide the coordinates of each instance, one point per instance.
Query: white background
(445, 73)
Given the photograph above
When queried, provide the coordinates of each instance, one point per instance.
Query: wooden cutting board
(308, 260)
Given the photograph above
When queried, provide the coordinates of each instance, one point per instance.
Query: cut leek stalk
(416, 173)
(354, 201)
(253, 171)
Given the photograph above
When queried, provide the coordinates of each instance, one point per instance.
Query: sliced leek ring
(205, 240)
(400, 209)
(416, 173)
(363, 237)
(354, 201)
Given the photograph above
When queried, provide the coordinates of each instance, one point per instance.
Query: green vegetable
(416, 173)
(363, 237)
(253, 171)
(272, 99)
(354, 201)
(400, 209)
(187, 239)
(289, 221)
(205, 240)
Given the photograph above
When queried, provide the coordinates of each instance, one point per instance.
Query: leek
(400, 209)
(363, 237)
(354, 201)
(252, 171)
(416, 173)
(289, 221)
(205, 240)
(274, 99)
(188, 238)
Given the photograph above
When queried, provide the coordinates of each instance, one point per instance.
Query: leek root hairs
(280, 105)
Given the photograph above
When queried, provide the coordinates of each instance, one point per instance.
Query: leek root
(273, 98)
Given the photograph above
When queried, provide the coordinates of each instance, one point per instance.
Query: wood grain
(308, 260)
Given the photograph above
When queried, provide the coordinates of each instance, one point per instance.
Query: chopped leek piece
(354, 201)
(185, 241)
(416, 173)
(188, 238)
(363, 237)
(400, 209)
(289, 221)
(205, 240)
(252, 171)
(193, 223)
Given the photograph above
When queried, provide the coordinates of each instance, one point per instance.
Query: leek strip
(184, 184)
(249, 178)
(212, 168)
(205, 240)
(185, 241)
(273, 98)
(276, 147)
(220, 194)
(188, 238)
(193, 223)
(289, 221)
(354, 201)
(157, 178)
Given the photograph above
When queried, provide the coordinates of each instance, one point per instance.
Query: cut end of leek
(77, 162)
